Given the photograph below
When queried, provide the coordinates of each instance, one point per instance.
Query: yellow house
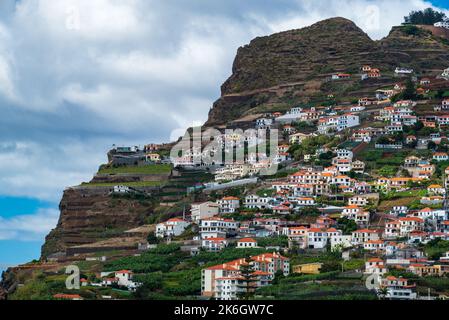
(308, 268)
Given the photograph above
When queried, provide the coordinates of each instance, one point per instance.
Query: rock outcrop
(289, 67)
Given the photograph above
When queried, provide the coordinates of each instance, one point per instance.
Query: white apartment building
(203, 210)
(256, 202)
(216, 227)
(228, 205)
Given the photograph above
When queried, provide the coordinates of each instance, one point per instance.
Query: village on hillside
(339, 199)
(363, 185)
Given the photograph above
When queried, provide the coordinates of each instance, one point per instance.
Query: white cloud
(28, 227)
(35, 170)
(77, 76)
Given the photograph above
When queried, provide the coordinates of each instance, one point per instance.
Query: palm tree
(382, 292)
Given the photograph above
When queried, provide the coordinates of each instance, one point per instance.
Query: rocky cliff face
(88, 216)
(292, 66)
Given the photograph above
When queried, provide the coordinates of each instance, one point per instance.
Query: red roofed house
(375, 265)
(229, 204)
(364, 235)
(409, 224)
(374, 245)
(398, 289)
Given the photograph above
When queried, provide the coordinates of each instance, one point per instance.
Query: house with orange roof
(305, 202)
(374, 245)
(375, 265)
(282, 209)
(125, 279)
(340, 76)
(228, 205)
(358, 201)
(392, 229)
(319, 238)
(409, 224)
(359, 237)
(271, 263)
(398, 288)
(356, 213)
(210, 275)
(246, 243)
(440, 156)
(432, 214)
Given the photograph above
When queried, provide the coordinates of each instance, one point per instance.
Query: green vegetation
(428, 16)
(311, 144)
(436, 248)
(281, 241)
(136, 184)
(149, 169)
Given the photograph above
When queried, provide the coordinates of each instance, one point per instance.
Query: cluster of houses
(391, 242)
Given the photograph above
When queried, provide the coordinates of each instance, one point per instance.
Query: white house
(375, 265)
(171, 228)
(445, 73)
(124, 278)
(440, 156)
(436, 189)
(317, 238)
(121, 189)
(256, 202)
(246, 243)
(399, 70)
(357, 201)
(398, 210)
(305, 202)
(398, 289)
(374, 245)
(214, 244)
(203, 210)
(216, 227)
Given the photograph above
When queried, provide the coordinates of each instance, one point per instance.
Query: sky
(77, 76)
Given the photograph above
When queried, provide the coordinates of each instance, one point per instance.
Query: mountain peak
(292, 66)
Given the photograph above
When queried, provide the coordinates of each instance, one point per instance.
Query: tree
(247, 282)
(410, 91)
(383, 140)
(152, 239)
(426, 17)
(346, 225)
(431, 145)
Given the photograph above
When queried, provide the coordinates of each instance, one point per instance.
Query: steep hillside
(271, 73)
(289, 67)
